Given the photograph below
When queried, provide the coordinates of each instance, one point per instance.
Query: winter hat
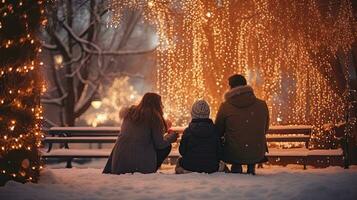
(200, 109)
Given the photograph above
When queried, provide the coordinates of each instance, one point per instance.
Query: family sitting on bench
(237, 137)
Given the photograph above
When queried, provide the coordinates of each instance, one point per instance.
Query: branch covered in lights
(285, 48)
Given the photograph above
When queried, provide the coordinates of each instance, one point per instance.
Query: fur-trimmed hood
(241, 96)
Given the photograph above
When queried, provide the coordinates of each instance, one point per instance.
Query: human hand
(170, 131)
(168, 123)
(172, 137)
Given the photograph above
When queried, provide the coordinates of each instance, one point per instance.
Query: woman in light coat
(141, 145)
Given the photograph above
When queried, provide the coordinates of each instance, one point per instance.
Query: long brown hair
(149, 108)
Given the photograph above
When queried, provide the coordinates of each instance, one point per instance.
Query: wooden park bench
(304, 155)
(66, 135)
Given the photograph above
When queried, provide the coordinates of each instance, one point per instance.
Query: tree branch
(98, 50)
(57, 101)
(49, 46)
(84, 103)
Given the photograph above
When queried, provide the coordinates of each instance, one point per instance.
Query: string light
(284, 49)
(20, 107)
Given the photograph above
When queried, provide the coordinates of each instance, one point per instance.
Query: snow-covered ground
(272, 182)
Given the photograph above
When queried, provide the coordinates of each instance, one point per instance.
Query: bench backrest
(294, 129)
(84, 131)
(114, 131)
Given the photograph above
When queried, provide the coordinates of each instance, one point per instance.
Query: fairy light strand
(284, 48)
(21, 86)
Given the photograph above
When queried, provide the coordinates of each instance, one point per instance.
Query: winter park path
(272, 182)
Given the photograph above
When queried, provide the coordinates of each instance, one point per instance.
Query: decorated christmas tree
(20, 90)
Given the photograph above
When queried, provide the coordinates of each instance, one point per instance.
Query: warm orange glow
(284, 48)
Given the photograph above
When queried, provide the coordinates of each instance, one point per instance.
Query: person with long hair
(141, 145)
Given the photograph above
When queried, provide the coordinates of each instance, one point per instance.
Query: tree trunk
(70, 99)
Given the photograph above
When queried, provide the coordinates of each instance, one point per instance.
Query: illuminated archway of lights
(284, 47)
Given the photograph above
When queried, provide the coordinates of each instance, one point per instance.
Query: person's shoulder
(224, 105)
(261, 101)
(186, 132)
(123, 112)
(153, 118)
(214, 129)
(262, 104)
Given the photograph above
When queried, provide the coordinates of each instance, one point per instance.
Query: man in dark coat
(243, 121)
(200, 146)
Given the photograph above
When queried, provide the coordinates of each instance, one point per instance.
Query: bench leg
(69, 163)
(346, 165)
(49, 147)
(305, 163)
(346, 162)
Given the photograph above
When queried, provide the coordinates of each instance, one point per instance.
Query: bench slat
(80, 139)
(77, 153)
(114, 131)
(289, 138)
(104, 153)
(113, 139)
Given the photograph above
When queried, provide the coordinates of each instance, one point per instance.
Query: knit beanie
(200, 109)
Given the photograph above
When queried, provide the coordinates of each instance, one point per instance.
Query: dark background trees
(82, 52)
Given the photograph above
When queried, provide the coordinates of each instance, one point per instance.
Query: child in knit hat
(200, 146)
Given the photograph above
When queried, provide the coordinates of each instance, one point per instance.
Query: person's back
(134, 150)
(200, 147)
(243, 120)
(141, 147)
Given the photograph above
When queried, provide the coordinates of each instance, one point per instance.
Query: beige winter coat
(135, 148)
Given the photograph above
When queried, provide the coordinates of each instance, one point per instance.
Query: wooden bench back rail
(274, 134)
(84, 131)
(114, 131)
(108, 134)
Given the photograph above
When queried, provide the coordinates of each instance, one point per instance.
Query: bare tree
(82, 52)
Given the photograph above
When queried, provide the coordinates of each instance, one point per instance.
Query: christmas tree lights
(20, 89)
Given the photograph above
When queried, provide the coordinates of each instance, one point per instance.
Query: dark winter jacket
(135, 148)
(243, 120)
(200, 147)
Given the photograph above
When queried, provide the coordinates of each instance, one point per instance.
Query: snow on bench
(70, 154)
(86, 153)
(77, 153)
(304, 152)
(300, 154)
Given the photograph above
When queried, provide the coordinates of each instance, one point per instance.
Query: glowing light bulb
(150, 4)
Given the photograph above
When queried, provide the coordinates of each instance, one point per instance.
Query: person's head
(200, 110)
(151, 101)
(150, 106)
(237, 80)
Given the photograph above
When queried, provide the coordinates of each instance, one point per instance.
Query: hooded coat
(200, 147)
(243, 121)
(135, 148)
